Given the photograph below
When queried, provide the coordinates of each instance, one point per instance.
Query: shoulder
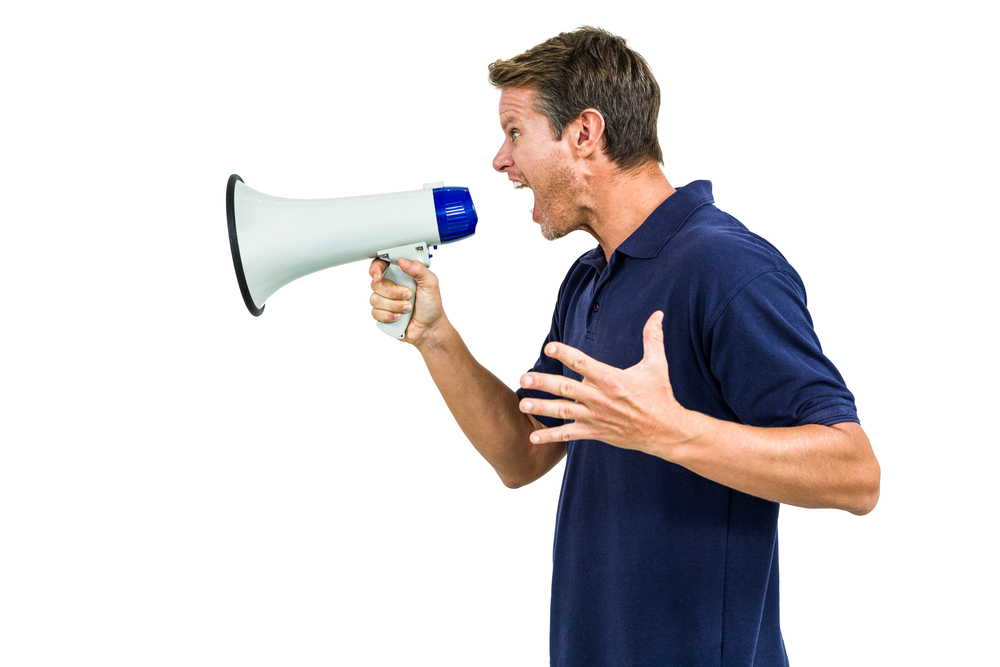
(716, 242)
(716, 256)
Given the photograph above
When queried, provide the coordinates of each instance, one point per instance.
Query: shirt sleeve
(767, 358)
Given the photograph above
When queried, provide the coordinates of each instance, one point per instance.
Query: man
(666, 537)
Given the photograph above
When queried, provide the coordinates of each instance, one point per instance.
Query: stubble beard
(556, 207)
(550, 231)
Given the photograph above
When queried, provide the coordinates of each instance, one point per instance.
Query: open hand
(633, 408)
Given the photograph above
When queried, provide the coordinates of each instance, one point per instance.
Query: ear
(586, 132)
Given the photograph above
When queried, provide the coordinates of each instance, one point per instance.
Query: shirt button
(597, 307)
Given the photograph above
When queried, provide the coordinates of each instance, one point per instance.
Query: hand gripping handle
(416, 252)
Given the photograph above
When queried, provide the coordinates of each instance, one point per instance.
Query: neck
(620, 201)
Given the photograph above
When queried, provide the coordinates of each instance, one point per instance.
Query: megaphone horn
(276, 240)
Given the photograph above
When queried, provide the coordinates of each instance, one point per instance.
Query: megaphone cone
(276, 240)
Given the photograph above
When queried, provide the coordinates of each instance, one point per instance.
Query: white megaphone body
(276, 240)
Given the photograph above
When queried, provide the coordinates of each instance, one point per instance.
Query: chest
(604, 315)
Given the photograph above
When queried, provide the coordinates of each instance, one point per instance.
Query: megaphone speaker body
(275, 240)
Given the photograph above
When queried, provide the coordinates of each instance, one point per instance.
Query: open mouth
(519, 185)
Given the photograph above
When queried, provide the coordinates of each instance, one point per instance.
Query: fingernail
(535, 438)
(407, 295)
(396, 316)
(526, 405)
(407, 307)
(526, 381)
(550, 350)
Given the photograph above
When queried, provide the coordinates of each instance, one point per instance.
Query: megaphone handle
(415, 253)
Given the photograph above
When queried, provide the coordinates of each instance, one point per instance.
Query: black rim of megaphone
(234, 245)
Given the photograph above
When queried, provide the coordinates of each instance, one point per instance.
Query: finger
(560, 385)
(377, 269)
(380, 302)
(563, 433)
(390, 290)
(384, 315)
(652, 339)
(558, 409)
(574, 359)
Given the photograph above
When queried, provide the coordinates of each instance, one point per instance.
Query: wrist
(680, 434)
(435, 337)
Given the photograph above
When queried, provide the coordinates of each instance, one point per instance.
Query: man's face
(532, 158)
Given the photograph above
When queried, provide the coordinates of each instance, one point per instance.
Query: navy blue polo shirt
(653, 564)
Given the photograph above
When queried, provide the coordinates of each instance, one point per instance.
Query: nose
(503, 160)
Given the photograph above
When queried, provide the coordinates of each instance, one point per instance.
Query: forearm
(486, 409)
(807, 466)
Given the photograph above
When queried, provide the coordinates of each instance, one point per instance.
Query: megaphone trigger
(415, 253)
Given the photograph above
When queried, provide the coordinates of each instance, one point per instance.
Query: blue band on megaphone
(456, 215)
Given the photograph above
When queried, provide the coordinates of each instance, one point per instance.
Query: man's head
(591, 69)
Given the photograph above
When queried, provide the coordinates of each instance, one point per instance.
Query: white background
(181, 483)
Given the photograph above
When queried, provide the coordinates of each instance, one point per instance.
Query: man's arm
(484, 407)
(808, 466)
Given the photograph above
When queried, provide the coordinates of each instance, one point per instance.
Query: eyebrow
(510, 118)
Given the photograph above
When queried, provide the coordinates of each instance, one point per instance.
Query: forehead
(517, 104)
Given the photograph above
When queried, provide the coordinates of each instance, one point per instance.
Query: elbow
(531, 463)
(862, 475)
(524, 474)
(515, 481)
(865, 504)
(867, 494)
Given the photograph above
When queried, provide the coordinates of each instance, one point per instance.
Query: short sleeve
(767, 358)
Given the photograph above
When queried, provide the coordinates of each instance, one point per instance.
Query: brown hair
(591, 68)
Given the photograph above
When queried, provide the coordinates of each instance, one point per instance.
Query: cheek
(525, 158)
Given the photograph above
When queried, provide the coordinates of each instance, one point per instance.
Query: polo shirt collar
(665, 221)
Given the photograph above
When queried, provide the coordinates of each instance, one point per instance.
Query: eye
(514, 134)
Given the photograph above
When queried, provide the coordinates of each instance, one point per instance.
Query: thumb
(410, 267)
(652, 340)
(420, 273)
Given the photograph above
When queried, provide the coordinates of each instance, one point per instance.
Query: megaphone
(276, 240)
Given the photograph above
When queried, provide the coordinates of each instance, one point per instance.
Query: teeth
(518, 185)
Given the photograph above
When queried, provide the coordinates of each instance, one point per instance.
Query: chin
(551, 232)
